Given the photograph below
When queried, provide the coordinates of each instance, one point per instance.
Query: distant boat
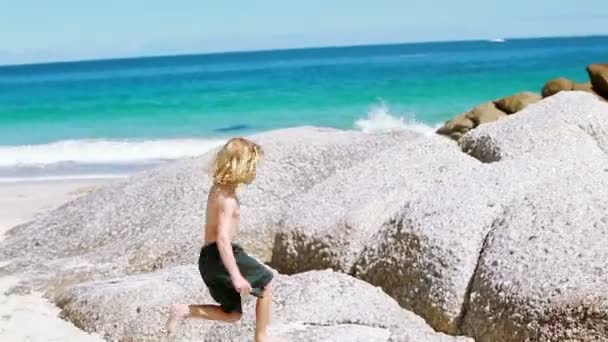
(497, 40)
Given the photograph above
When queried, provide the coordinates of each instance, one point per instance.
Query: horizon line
(295, 48)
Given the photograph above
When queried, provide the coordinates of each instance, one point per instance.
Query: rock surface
(542, 274)
(517, 102)
(485, 113)
(556, 85)
(458, 125)
(583, 87)
(329, 226)
(312, 306)
(154, 220)
(598, 73)
(547, 124)
(404, 208)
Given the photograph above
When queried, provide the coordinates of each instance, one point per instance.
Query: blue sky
(39, 31)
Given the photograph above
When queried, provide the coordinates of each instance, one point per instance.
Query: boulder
(517, 102)
(556, 85)
(485, 113)
(598, 73)
(542, 273)
(548, 125)
(153, 220)
(312, 306)
(426, 255)
(398, 221)
(539, 275)
(456, 136)
(460, 124)
(463, 123)
(583, 87)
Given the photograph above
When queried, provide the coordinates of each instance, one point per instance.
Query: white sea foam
(103, 151)
(380, 119)
(95, 158)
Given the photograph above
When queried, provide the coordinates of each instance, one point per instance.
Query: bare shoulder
(223, 201)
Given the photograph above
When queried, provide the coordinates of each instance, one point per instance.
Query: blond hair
(236, 162)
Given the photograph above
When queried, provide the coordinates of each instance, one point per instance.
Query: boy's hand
(241, 285)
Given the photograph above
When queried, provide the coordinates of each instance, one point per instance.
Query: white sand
(32, 317)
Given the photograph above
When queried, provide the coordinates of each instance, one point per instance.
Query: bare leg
(179, 312)
(262, 314)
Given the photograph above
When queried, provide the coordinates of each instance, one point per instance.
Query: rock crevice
(469, 292)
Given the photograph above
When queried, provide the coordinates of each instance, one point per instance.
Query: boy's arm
(225, 224)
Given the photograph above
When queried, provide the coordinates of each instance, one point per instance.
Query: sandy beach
(32, 317)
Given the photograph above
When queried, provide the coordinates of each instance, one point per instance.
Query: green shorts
(217, 278)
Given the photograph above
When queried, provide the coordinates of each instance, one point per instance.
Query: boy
(225, 268)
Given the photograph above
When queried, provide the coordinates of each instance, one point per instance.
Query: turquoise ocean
(114, 117)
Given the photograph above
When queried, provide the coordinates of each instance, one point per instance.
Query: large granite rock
(422, 227)
(154, 219)
(542, 274)
(329, 226)
(598, 73)
(398, 221)
(312, 306)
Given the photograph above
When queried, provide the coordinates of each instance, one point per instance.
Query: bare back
(222, 204)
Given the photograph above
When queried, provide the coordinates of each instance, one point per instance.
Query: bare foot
(177, 314)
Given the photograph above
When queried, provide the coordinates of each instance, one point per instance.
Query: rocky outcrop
(312, 306)
(539, 277)
(457, 127)
(398, 221)
(460, 125)
(556, 85)
(487, 112)
(598, 73)
(517, 102)
(501, 236)
(421, 241)
(554, 125)
(588, 87)
(329, 226)
(153, 220)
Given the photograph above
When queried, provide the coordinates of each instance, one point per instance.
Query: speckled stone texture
(542, 275)
(399, 221)
(311, 306)
(155, 219)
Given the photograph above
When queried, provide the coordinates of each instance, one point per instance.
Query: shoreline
(21, 202)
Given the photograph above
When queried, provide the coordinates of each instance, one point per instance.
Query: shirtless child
(225, 268)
